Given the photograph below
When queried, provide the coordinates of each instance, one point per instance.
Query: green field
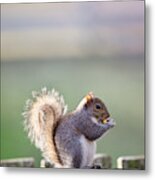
(119, 82)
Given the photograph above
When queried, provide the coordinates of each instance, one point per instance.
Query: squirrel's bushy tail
(41, 115)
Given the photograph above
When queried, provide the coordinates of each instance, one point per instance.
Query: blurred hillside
(69, 30)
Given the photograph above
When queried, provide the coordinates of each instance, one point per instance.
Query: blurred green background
(74, 48)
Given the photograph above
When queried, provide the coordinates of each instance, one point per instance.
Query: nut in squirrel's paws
(109, 121)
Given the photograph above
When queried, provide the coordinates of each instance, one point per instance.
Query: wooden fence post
(18, 162)
(103, 160)
(131, 162)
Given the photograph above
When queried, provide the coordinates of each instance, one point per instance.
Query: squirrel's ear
(85, 102)
(89, 98)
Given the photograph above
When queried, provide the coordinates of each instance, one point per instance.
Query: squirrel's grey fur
(67, 140)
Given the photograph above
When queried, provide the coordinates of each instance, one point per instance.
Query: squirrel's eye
(98, 106)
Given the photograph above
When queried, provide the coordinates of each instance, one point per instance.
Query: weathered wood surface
(18, 162)
(101, 161)
(131, 162)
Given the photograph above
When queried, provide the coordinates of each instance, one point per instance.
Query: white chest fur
(88, 151)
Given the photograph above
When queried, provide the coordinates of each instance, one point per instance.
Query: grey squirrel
(66, 139)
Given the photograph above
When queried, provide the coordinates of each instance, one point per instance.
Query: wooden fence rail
(131, 162)
(101, 160)
(18, 162)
